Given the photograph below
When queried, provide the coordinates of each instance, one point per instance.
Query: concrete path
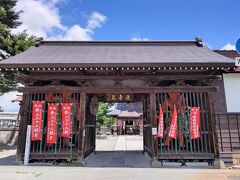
(82, 173)
(120, 143)
(119, 151)
(7, 156)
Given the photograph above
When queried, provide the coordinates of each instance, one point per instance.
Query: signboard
(154, 131)
(27, 145)
(195, 122)
(237, 61)
(36, 130)
(238, 46)
(66, 120)
(51, 124)
(119, 97)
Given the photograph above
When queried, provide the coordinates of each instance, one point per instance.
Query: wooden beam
(96, 90)
(77, 77)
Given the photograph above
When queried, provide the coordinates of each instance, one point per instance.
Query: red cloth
(195, 122)
(51, 124)
(160, 124)
(36, 130)
(66, 120)
(172, 132)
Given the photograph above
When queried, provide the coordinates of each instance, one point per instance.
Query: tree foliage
(8, 15)
(102, 118)
(11, 44)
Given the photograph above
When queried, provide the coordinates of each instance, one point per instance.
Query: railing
(228, 128)
(8, 119)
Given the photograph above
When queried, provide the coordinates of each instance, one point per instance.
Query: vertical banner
(36, 130)
(160, 124)
(51, 124)
(172, 133)
(195, 122)
(66, 120)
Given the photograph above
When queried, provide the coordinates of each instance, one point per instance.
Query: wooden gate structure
(84, 73)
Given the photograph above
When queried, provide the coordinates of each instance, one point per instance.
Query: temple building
(179, 84)
(129, 117)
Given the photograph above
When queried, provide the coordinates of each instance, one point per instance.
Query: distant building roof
(126, 110)
(128, 114)
(17, 99)
(228, 53)
(67, 54)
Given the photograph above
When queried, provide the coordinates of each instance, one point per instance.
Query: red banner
(160, 124)
(51, 124)
(66, 119)
(36, 130)
(172, 132)
(195, 122)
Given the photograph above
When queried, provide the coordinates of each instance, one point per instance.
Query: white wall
(232, 91)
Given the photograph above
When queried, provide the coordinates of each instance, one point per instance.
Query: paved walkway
(79, 173)
(119, 151)
(120, 143)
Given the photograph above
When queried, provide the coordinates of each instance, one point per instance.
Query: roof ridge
(197, 42)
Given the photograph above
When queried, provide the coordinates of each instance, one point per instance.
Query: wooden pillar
(81, 139)
(153, 116)
(22, 130)
(213, 126)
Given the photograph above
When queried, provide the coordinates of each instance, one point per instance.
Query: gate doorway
(119, 134)
(82, 141)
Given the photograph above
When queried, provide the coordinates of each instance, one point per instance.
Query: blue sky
(216, 21)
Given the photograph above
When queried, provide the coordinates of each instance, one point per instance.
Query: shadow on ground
(133, 159)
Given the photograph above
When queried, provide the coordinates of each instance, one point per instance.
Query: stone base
(81, 161)
(155, 163)
(217, 164)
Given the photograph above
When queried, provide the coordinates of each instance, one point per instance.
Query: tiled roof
(115, 54)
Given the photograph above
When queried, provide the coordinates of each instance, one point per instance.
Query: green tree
(102, 118)
(11, 44)
(8, 15)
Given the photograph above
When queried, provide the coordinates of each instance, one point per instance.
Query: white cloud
(208, 45)
(139, 39)
(228, 46)
(6, 102)
(38, 17)
(42, 17)
(76, 32)
(96, 20)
